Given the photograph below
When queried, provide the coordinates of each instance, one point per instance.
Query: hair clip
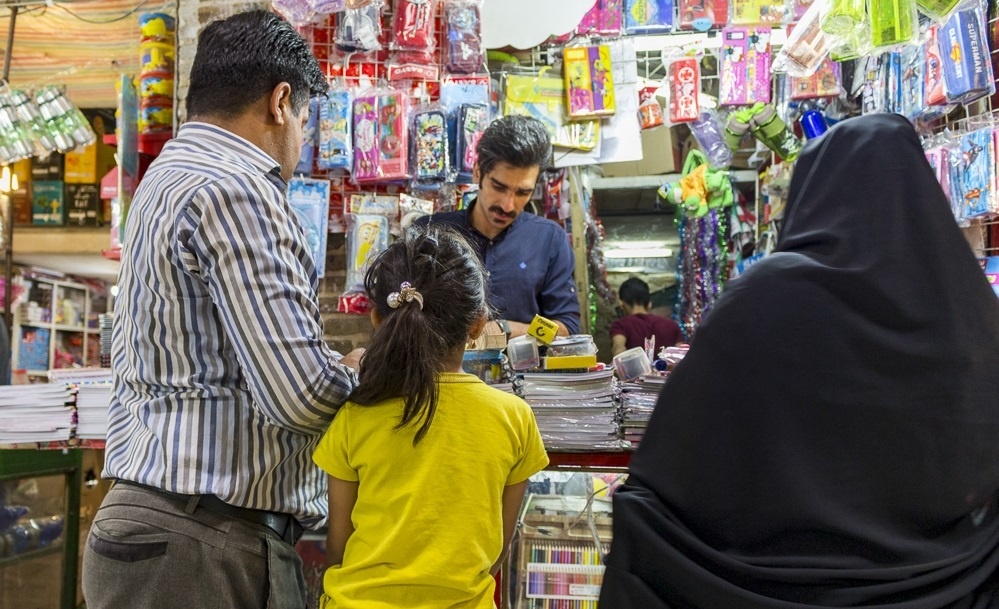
(406, 293)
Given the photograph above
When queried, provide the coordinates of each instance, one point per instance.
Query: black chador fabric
(832, 437)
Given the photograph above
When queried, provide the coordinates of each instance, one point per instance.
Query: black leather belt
(285, 526)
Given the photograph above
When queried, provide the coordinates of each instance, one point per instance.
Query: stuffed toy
(700, 189)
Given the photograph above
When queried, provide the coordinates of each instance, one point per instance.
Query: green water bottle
(844, 16)
(892, 22)
(774, 133)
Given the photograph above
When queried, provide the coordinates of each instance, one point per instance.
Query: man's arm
(619, 344)
(237, 235)
(558, 299)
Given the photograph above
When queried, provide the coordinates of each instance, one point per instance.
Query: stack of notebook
(576, 411)
(35, 413)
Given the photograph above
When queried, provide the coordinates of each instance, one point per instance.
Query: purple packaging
(604, 19)
(965, 56)
(745, 66)
(648, 16)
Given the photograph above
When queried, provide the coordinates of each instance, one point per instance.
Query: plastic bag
(430, 160)
(807, 46)
(381, 135)
(359, 29)
(683, 88)
(309, 139)
(367, 236)
(472, 122)
(967, 68)
(335, 139)
(464, 53)
(414, 25)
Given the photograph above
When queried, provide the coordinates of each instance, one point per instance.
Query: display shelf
(589, 461)
(32, 555)
(747, 176)
(81, 329)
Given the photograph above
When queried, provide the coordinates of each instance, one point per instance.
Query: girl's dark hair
(409, 348)
(242, 58)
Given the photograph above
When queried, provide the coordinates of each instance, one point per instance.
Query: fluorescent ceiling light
(637, 244)
(648, 252)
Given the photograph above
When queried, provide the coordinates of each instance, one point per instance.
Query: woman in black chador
(832, 437)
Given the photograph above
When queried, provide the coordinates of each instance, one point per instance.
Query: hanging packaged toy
(464, 36)
(757, 12)
(934, 87)
(683, 86)
(359, 29)
(975, 173)
(589, 82)
(335, 142)
(309, 138)
(648, 16)
(873, 95)
(967, 66)
(310, 200)
(604, 19)
(367, 236)
(650, 113)
(431, 161)
(702, 15)
(701, 189)
(823, 83)
(745, 66)
(472, 122)
(938, 159)
(543, 97)
(937, 10)
(913, 60)
(413, 25)
(893, 22)
(380, 136)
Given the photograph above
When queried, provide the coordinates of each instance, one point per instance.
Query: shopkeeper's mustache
(499, 210)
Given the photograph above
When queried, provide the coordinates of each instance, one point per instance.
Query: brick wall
(343, 332)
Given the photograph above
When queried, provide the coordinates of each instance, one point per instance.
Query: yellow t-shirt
(428, 521)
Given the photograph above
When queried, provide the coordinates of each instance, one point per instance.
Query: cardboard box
(22, 209)
(47, 203)
(88, 164)
(83, 205)
(48, 168)
(660, 155)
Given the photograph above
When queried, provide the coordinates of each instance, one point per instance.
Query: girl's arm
(513, 500)
(343, 496)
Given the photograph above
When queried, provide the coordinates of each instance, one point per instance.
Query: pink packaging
(604, 19)
(939, 161)
(745, 66)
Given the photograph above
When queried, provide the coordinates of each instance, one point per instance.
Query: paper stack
(93, 395)
(575, 411)
(35, 413)
(638, 398)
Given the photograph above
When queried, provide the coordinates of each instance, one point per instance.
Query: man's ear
(476, 174)
(280, 103)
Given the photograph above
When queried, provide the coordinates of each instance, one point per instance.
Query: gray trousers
(146, 550)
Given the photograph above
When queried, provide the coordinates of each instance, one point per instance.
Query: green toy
(701, 189)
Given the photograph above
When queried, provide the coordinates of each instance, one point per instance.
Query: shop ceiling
(83, 44)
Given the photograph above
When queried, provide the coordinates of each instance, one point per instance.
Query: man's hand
(353, 359)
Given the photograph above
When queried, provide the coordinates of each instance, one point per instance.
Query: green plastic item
(892, 22)
(844, 16)
(701, 189)
(938, 10)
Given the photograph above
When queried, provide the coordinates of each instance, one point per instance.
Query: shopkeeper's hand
(353, 359)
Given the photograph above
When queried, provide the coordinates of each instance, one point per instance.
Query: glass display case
(39, 528)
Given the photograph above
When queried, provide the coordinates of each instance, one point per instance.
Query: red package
(650, 113)
(684, 83)
(702, 15)
(413, 26)
(933, 78)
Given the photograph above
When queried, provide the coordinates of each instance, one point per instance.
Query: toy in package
(464, 36)
(359, 29)
(893, 82)
(824, 83)
(893, 22)
(934, 86)
(807, 44)
(757, 12)
(650, 113)
(683, 82)
(648, 16)
(413, 25)
(380, 136)
(310, 200)
(589, 81)
(309, 139)
(604, 19)
(367, 236)
(938, 159)
(967, 66)
(335, 142)
(431, 161)
(913, 60)
(975, 173)
(472, 122)
(745, 66)
(702, 15)
(873, 94)
(543, 97)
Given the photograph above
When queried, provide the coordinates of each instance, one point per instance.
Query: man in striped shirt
(223, 383)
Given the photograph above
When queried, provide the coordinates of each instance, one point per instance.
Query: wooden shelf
(62, 240)
(65, 328)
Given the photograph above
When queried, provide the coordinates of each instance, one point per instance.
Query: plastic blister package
(359, 29)
(589, 81)
(335, 138)
(745, 66)
(464, 53)
(472, 122)
(967, 68)
(309, 139)
(430, 160)
(683, 88)
(807, 46)
(648, 16)
(381, 135)
(367, 236)
(414, 25)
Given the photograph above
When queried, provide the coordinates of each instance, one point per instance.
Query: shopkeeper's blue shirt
(529, 267)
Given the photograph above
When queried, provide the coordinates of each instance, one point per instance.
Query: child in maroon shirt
(638, 324)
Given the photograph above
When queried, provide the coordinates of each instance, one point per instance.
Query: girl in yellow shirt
(427, 465)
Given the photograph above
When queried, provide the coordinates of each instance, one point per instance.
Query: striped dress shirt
(223, 384)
